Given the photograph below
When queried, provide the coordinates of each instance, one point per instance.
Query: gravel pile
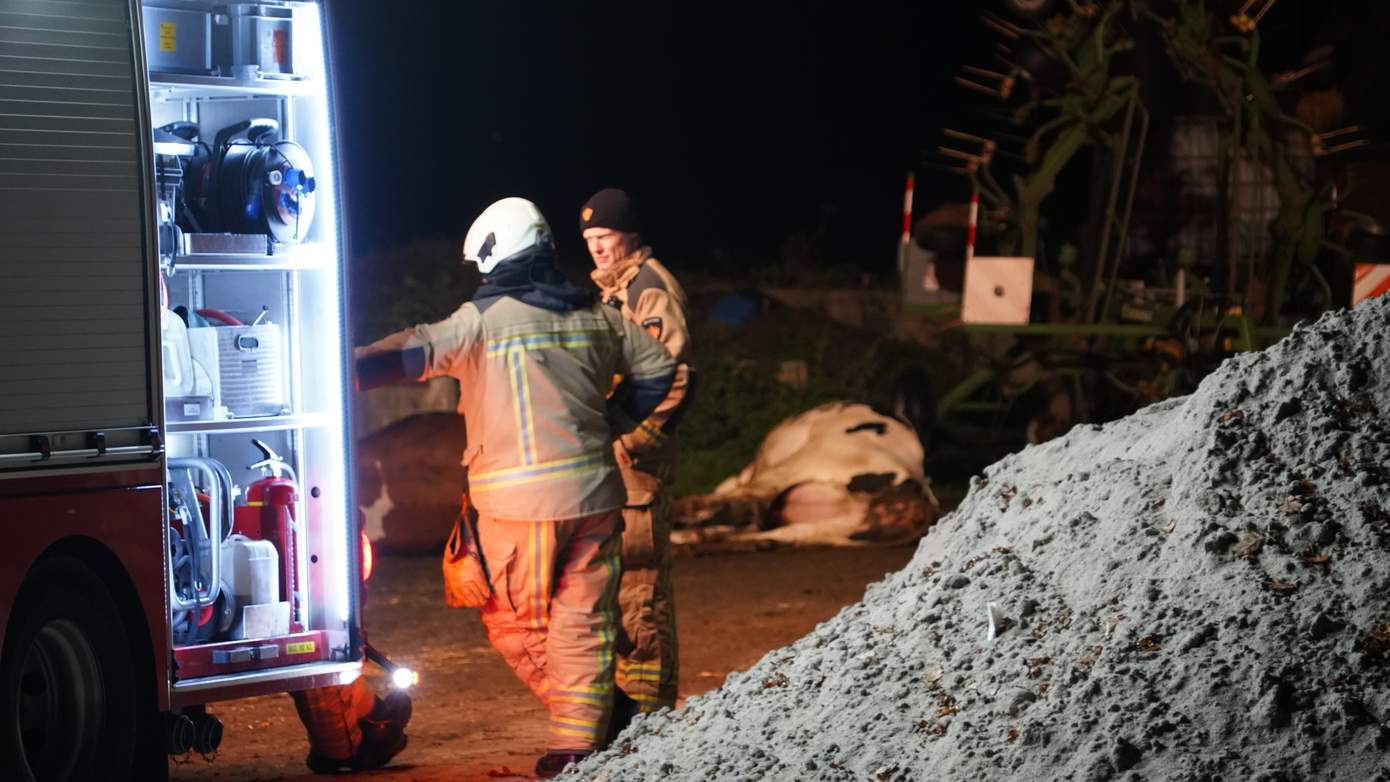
(1200, 591)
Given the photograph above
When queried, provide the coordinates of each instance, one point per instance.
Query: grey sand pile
(1200, 591)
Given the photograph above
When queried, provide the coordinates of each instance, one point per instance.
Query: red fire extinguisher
(270, 504)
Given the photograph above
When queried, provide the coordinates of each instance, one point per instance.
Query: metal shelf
(282, 257)
(235, 425)
(183, 86)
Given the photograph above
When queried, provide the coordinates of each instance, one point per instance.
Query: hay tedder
(1151, 188)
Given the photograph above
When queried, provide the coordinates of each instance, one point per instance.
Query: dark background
(734, 124)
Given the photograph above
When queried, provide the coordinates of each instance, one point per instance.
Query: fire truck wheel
(68, 682)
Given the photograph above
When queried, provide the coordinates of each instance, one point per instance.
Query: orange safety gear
(553, 616)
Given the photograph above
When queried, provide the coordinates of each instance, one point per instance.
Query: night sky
(734, 125)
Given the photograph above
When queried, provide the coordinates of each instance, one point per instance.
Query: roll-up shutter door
(73, 339)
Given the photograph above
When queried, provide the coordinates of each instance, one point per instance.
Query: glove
(466, 582)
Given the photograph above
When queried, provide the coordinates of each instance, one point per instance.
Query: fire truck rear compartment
(259, 521)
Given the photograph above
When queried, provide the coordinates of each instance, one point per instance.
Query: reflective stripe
(608, 629)
(582, 700)
(543, 471)
(521, 406)
(529, 433)
(544, 339)
(573, 722)
(581, 733)
(586, 689)
(640, 676)
(540, 596)
(650, 434)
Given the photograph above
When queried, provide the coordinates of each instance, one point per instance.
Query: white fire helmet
(504, 229)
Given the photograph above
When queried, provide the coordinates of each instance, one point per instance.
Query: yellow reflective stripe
(596, 689)
(608, 628)
(528, 455)
(576, 732)
(646, 700)
(540, 597)
(640, 677)
(540, 340)
(651, 434)
(543, 471)
(574, 722)
(515, 371)
(582, 700)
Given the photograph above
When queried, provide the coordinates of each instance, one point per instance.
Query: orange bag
(466, 583)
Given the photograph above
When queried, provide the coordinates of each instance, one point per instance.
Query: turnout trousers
(648, 662)
(553, 616)
(332, 715)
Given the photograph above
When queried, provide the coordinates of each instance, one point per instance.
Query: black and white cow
(840, 474)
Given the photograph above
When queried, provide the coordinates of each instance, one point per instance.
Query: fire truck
(175, 444)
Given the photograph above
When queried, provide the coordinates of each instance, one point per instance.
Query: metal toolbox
(177, 40)
(254, 38)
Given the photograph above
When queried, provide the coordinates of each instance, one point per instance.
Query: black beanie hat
(610, 208)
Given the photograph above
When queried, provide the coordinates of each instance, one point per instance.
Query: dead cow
(839, 475)
(410, 482)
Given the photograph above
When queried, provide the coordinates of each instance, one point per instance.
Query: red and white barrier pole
(907, 224)
(970, 229)
(1372, 280)
(907, 208)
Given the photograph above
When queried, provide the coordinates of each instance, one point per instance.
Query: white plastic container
(178, 358)
(251, 570)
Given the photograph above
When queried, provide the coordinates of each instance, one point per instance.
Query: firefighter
(350, 728)
(534, 356)
(635, 284)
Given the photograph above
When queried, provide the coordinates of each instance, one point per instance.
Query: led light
(322, 302)
(404, 678)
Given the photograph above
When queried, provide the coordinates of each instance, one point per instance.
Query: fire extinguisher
(275, 497)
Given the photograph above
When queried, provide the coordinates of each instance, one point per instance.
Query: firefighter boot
(383, 737)
(383, 731)
(552, 763)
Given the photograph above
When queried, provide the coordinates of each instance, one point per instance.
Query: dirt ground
(474, 721)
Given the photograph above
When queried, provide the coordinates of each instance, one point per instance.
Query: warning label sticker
(302, 647)
(168, 36)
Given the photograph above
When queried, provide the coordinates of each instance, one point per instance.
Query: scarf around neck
(616, 277)
(531, 277)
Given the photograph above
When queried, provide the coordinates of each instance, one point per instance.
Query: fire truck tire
(68, 684)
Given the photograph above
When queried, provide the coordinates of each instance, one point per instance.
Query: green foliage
(739, 397)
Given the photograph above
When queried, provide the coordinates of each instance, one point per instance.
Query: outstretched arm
(416, 353)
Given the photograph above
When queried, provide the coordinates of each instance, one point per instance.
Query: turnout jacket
(532, 386)
(647, 294)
